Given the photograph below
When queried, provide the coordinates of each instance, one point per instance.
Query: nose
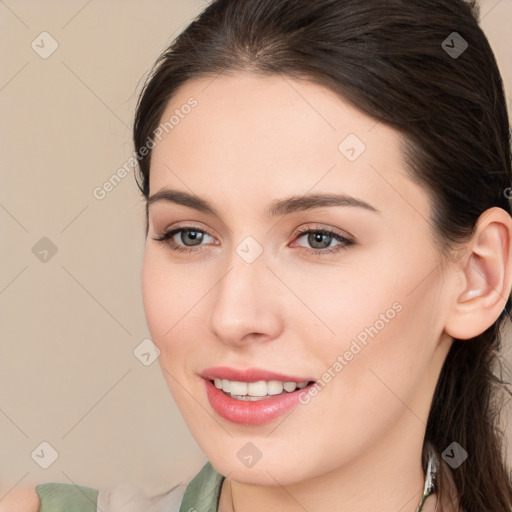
(247, 305)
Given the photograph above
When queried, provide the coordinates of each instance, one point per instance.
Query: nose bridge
(244, 301)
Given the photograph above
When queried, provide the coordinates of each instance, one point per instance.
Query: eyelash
(344, 242)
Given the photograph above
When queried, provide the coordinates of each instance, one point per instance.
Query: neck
(389, 478)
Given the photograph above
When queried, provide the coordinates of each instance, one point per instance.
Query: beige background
(69, 325)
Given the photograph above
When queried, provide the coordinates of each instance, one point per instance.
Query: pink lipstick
(253, 396)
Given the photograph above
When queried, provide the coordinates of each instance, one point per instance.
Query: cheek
(386, 352)
(382, 299)
(376, 323)
(345, 307)
(165, 294)
(154, 298)
(164, 297)
(174, 300)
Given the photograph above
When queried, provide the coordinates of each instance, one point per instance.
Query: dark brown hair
(399, 62)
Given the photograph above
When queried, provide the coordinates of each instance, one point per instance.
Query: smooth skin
(24, 499)
(253, 140)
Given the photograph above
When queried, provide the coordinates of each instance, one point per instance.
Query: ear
(485, 273)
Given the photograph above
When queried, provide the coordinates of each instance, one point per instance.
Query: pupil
(317, 238)
(194, 236)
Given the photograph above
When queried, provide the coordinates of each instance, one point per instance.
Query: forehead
(276, 135)
(247, 115)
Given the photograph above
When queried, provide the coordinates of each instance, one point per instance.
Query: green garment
(56, 497)
(203, 492)
(201, 495)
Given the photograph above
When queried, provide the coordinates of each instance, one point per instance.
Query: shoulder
(57, 497)
(199, 492)
(24, 499)
(51, 497)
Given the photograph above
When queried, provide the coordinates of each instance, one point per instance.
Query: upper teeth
(259, 388)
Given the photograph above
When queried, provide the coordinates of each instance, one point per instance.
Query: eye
(187, 239)
(187, 235)
(320, 240)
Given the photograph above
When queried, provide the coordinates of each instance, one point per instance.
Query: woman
(328, 258)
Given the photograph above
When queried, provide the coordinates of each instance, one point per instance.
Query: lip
(256, 412)
(249, 375)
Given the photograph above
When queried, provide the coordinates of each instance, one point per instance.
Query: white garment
(131, 498)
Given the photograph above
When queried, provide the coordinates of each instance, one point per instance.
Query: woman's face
(274, 282)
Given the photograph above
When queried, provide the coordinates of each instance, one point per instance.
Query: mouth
(253, 396)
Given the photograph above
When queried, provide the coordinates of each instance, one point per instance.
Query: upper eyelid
(300, 232)
(335, 231)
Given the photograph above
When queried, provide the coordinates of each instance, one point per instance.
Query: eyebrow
(277, 207)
